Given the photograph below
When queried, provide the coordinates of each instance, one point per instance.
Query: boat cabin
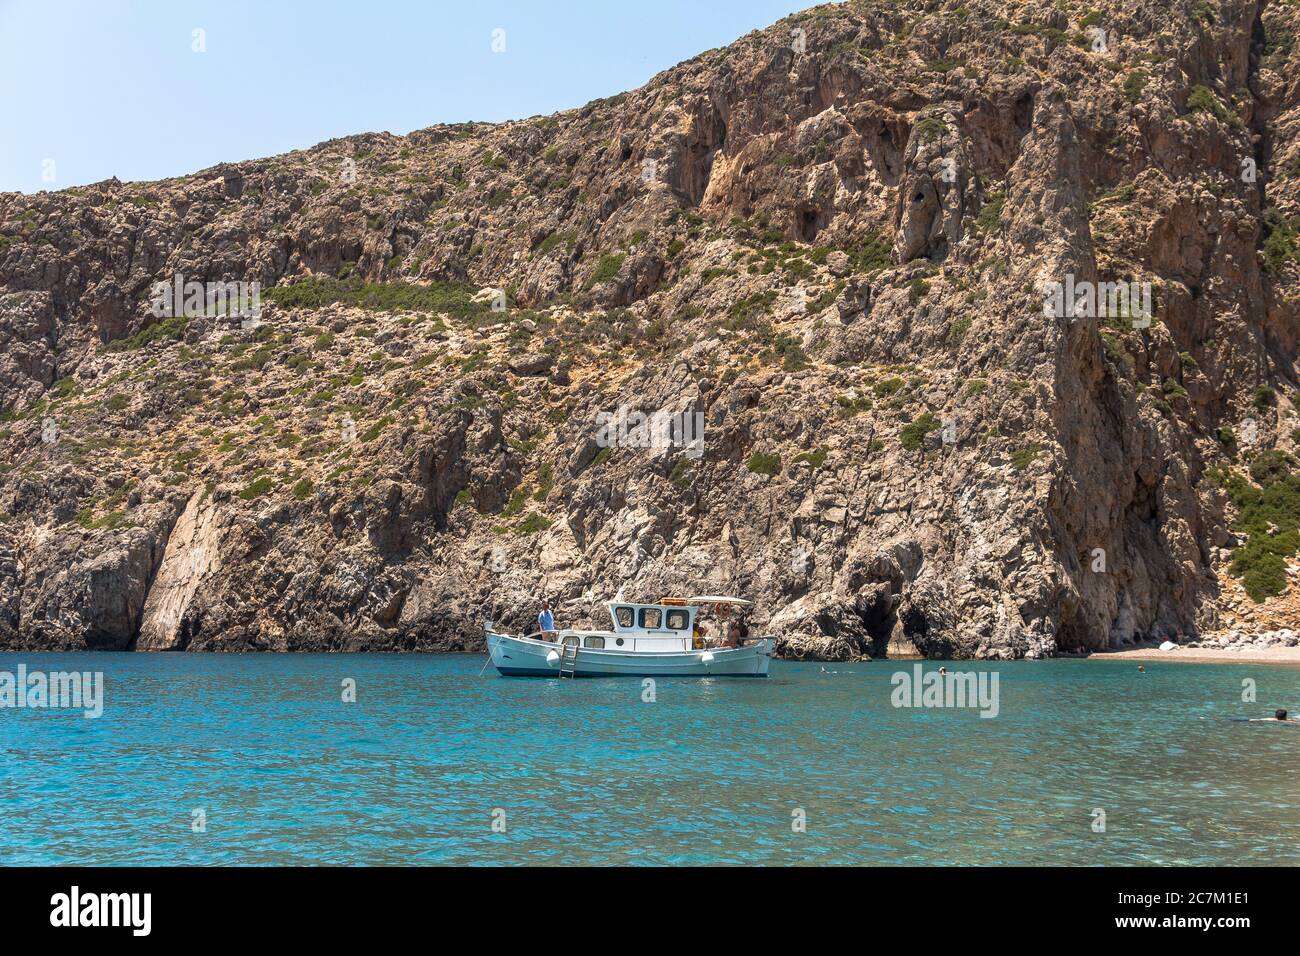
(651, 628)
(640, 627)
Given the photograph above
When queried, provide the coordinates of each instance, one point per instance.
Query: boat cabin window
(651, 618)
(677, 620)
(570, 642)
(624, 617)
(597, 642)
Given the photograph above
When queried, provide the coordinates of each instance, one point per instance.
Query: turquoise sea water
(713, 771)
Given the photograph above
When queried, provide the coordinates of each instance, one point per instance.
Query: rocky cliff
(819, 261)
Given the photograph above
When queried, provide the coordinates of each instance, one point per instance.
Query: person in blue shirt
(546, 621)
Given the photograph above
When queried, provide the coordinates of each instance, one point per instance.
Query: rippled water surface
(713, 771)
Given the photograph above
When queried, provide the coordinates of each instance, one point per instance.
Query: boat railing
(560, 635)
(540, 636)
(687, 643)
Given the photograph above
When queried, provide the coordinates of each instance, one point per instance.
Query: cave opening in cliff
(879, 618)
(1023, 113)
(1072, 637)
(811, 221)
(915, 627)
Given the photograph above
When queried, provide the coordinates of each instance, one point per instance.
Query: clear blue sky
(113, 87)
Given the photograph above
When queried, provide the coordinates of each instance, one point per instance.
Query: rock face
(779, 322)
(193, 553)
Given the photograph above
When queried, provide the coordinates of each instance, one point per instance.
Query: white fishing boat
(647, 640)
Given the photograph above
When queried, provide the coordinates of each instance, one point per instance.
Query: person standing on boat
(546, 621)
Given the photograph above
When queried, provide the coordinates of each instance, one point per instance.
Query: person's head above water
(1280, 715)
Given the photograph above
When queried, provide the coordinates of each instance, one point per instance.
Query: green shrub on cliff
(110, 521)
(1268, 516)
(930, 129)
(1263, 398)
(1202, 100)
(1134, 84)
(554, 241)
(869, 257)
(913, 434)
(315, 292)
(761, 463)
(1024, 457)
(990, 214)
(607, 269)
(1281, 241)
(813, 459)
(533, 524)
(1271, 466)
(377, 429)
(680, 476)
(1279, 41)
(65, 387)
(257, 487)
(163, 330)
(888, 386)
(852, 405)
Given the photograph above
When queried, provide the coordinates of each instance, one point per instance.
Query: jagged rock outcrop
(778, 322)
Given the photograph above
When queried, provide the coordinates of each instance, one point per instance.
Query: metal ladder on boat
(568, 661)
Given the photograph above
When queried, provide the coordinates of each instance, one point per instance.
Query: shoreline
(1205, 655)
(1185, 654)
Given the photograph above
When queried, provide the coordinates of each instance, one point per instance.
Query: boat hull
(527, 657)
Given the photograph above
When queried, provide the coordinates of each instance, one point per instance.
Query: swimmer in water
(1141, 669)
(1279, 717)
